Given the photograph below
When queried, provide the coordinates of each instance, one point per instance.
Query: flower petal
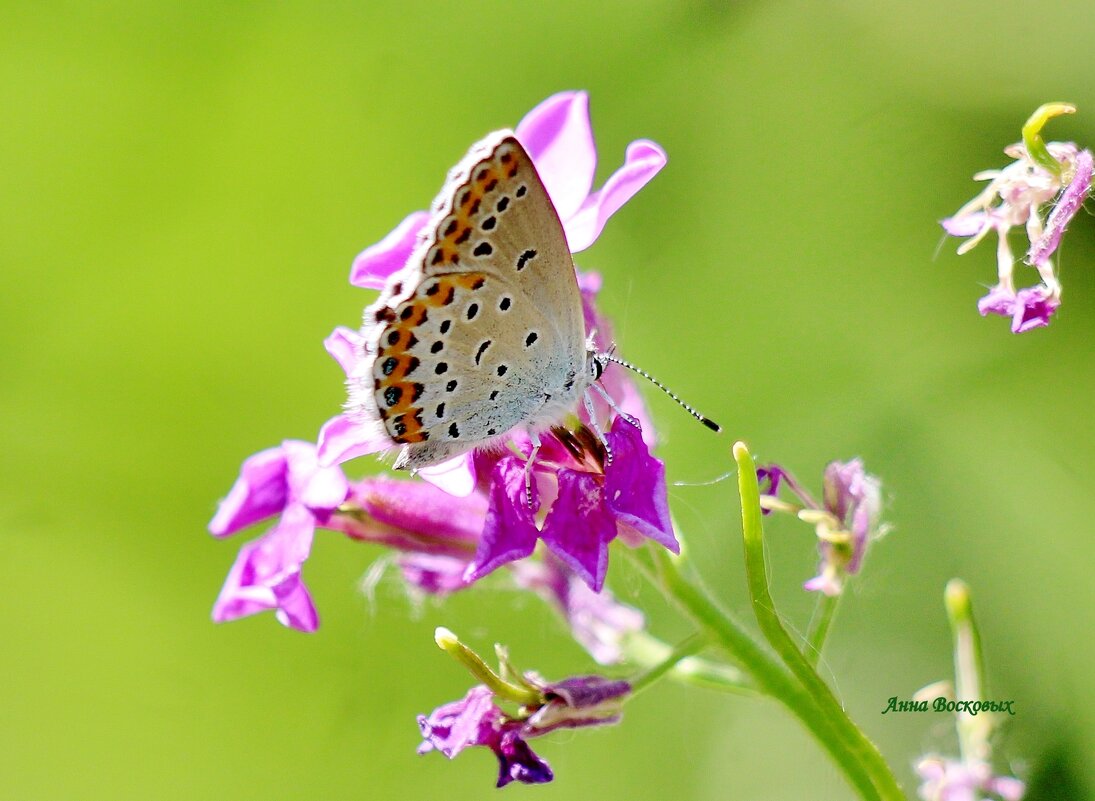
(965, 224)
(1033, 308)
(261, 491)
(373, 266)
(635, 488)
(518, 762)
(415, 516)
(455, 476)
(559, 138)
(509, 532)
(318, 488)
(266, 574)
(436, 575)
(461, 724)
(342, 439)
(580, 526)
(344, 345)
(643, 161)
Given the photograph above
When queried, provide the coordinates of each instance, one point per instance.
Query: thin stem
(686, 648)
(771, 677)
(863, 750)
(1032, 135)
(820, 623)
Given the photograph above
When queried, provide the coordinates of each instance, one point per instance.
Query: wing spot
(454, 432)
(441, 368)
(503, 203)
(473, 310)
(483, 249)
(392, 395)
(489, 223)
(437, 346)
(521, 190)
(478, 283)
(433, 288)
(440, 410)
(412, 365)
(445, 326)
(493, 394)
(451, 227)
(393, 337)
(502, 369)
(525, 258)
(451, 386)
(532, 337)
(482, 348)
(460, 240)
(437, 257)
(389, 365)
(418, 390)
(504, 304)
(491, 432)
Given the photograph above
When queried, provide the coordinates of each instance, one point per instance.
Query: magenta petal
(344, 345)
(260, 492)
(643, 161)
(966, 225)
(318, 488)
(424, 511)
(342, 439)
(266, 574)
(451, 728)
(580, 526)
(437, 575)
(373, 266)
(518, 762)
(635, 488)
(559, 138)
(455, 476)
(1033, 308)
(1072, 199)
(509, 532)
(998, 301)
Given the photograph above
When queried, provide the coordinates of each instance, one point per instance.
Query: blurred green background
(184, 186)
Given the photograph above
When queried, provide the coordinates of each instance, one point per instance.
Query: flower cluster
(846, 521)
(1040, 191)
(474, 516)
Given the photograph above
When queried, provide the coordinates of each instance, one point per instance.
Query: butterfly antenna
(707, 421)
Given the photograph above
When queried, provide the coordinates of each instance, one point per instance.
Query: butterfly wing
(482, 331)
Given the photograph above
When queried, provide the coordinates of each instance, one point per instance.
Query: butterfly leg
(612, 405)
(597, 426)
(528, 467)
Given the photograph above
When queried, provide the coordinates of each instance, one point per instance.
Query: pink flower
(1041, 193)
(286, 481)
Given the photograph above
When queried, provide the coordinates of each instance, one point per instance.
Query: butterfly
(482, 331)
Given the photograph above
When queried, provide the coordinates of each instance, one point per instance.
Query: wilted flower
(1041, 191)
(477, 720)
(846, 521)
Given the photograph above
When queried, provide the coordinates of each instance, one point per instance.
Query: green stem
(862, 749)
(645, 650)
(686, 648)
(820, 624)
(771, 677)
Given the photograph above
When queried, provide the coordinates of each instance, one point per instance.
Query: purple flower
(846, 521)
(559, 138)
(1028, 308)
(286, 481)
(476, 720)
(954, 780)
(1043, 201)
(588, 500)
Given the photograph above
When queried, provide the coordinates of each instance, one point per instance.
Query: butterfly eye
(595, 368)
